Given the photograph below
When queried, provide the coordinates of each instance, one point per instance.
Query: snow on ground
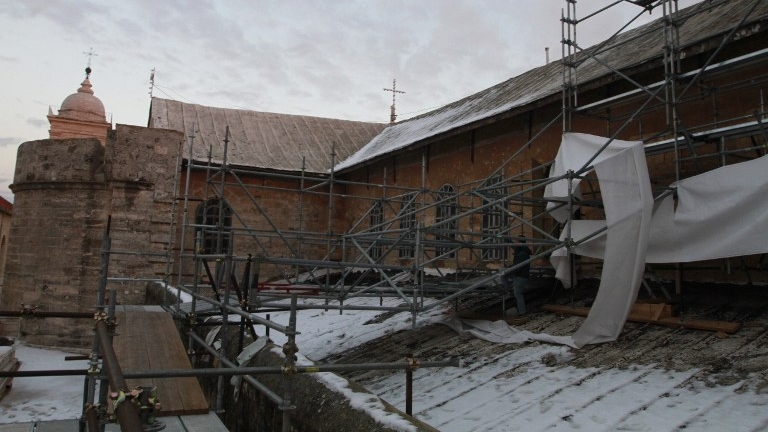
(43, 398)
(508, 391)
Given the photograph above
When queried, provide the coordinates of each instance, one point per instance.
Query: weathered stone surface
(66, 194)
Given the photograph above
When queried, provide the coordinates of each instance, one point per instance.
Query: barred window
(407, 218)
(494, 217)
(213, 216)
(376, 220)
(446, 209)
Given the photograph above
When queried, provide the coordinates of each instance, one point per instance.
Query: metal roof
(260, 139)
(705, 20)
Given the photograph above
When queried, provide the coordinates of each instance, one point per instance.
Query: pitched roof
(5, 206)
(641, 45)
(263, 140)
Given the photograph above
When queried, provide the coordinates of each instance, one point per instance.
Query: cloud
(9, 141)
(38, 122)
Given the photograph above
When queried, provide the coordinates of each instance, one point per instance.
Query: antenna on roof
(394, 90)
(151, 82)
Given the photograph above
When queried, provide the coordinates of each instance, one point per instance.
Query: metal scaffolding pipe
(92, 419)
(274, 397)
(127, 413)
(227, 371)
(238, 311)
(45, 314)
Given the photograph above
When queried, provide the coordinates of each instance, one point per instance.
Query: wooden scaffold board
(147, 339)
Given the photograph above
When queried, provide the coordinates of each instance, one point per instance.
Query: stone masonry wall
(53, 255)
(65, 192)
(141, 165)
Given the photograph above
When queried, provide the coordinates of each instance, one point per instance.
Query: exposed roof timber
(733, 131)
(735, 62)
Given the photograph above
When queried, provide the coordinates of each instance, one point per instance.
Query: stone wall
(65, 192)
(318, 407)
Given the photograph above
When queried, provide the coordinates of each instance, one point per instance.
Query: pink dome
(83, 105)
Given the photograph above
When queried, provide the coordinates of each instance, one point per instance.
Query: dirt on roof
(717, 359)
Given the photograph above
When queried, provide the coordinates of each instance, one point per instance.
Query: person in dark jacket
(519, 276)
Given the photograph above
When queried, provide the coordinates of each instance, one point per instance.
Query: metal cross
(394, 90)
(91, 54)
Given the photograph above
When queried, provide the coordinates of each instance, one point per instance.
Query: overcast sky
(321, 58)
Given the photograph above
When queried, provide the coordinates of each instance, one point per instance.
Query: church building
(446, 193)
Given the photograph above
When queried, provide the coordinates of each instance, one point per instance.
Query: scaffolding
(393, 247)
(398, 246)
(395, 243)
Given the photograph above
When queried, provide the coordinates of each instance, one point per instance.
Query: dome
(83, 105)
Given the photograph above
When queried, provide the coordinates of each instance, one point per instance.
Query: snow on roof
(260, 139)
(653, 378)
(635, 47)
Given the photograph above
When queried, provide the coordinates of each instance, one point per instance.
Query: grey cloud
(37, 122)
(9, 141)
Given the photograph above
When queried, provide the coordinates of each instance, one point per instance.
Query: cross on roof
(90, 54)
(394, 90)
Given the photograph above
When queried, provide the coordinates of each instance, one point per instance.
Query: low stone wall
(318, 407)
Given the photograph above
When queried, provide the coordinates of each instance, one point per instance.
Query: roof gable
(261, 139)
(643, 44)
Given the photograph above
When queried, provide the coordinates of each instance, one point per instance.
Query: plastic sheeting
(720, 214)
(628, 202)
(501, 332)
(576, 151)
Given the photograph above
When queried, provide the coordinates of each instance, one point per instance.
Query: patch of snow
(531, 388)
(366, 402)
(43, 398)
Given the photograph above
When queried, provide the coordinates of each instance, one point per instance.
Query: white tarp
(626, 190)
(501, 332)
(628, 202)
(576, 150)
(721, 213)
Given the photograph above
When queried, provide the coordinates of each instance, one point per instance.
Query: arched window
(213, 234)
(407, 218)
(376, 219)
(446, 209)
(494, 216)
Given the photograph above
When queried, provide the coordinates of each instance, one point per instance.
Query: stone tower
(66, 189)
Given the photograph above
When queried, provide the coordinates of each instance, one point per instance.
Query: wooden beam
(659, 313)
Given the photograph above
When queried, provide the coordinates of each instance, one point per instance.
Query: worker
(519, 276)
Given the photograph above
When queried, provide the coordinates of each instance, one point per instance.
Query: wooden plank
(17, 427)
(154, 341)
(203, 423)
(193, 398)
(647, 316)
(149, 341)
(492, 317)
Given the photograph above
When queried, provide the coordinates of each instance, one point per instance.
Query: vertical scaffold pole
(289, 349)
